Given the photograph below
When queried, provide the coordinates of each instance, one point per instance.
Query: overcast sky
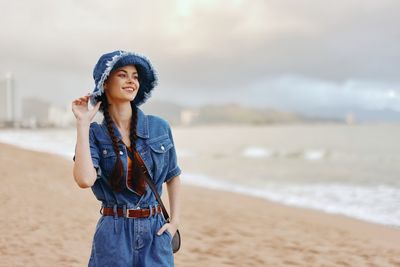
(294, 55)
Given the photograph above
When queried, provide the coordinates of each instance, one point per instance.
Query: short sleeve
(94, 151)
(173, 168)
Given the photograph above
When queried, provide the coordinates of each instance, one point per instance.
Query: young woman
(132, 230)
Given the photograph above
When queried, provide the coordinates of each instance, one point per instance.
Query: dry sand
(47, 220)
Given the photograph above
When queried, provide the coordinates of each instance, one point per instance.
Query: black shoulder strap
(151, 184)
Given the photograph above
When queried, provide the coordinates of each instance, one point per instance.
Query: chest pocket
(159, 148)
(107, 158)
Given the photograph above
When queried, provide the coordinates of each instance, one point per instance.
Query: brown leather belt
(131, 213)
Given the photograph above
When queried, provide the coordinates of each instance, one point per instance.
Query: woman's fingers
(81, 100)
(162, 229)
(78, 102)
(80, 107)
(167, 227)
(97, 106)
(85, 99)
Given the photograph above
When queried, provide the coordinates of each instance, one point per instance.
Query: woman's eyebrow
(127, 72)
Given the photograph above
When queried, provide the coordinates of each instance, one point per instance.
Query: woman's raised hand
(80, 108)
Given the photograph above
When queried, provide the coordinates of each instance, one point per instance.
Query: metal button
(162, 147)
(105, 152)
(121, 153)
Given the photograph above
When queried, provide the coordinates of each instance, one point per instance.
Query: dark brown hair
(116, 178)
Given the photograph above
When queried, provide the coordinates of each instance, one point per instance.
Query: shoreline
(236, 188)
(232, 187)
(229, 186)
(314, 168)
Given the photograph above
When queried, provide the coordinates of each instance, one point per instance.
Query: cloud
(220, 48)
(299, 93)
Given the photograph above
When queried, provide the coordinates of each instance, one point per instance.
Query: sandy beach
(49, 221)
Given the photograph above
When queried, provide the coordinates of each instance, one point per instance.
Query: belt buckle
(127, 212)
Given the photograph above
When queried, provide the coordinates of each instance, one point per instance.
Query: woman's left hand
(171, 227)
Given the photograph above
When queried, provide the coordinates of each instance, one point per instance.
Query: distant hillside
(167, 110)
(359, 115)
(222, 114)
(236, 114)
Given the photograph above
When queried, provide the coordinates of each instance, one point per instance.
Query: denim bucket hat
(117, 59)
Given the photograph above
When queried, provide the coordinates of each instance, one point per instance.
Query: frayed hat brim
(148, 77)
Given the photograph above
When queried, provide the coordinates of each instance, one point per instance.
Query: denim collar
(142, 129)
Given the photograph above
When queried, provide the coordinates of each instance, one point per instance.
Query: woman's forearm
(173, 187)
(83, 170)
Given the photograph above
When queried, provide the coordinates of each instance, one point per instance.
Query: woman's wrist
(82, 123)
(174, 221)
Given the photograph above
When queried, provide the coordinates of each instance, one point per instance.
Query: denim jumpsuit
(121, 241)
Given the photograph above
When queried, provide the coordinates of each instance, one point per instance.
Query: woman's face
(122, 85)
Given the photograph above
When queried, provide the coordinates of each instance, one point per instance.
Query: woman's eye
(121, 75)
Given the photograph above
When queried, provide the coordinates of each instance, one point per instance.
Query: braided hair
(116, 178)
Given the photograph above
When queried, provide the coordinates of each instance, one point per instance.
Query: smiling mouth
(129, 89)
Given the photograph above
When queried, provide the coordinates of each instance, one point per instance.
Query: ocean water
(378, 202)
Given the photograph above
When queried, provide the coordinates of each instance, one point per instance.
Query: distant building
(350, 118)
(35, 112)
(188, 115)
(60, 117)
(40, 113)
(7, 100)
